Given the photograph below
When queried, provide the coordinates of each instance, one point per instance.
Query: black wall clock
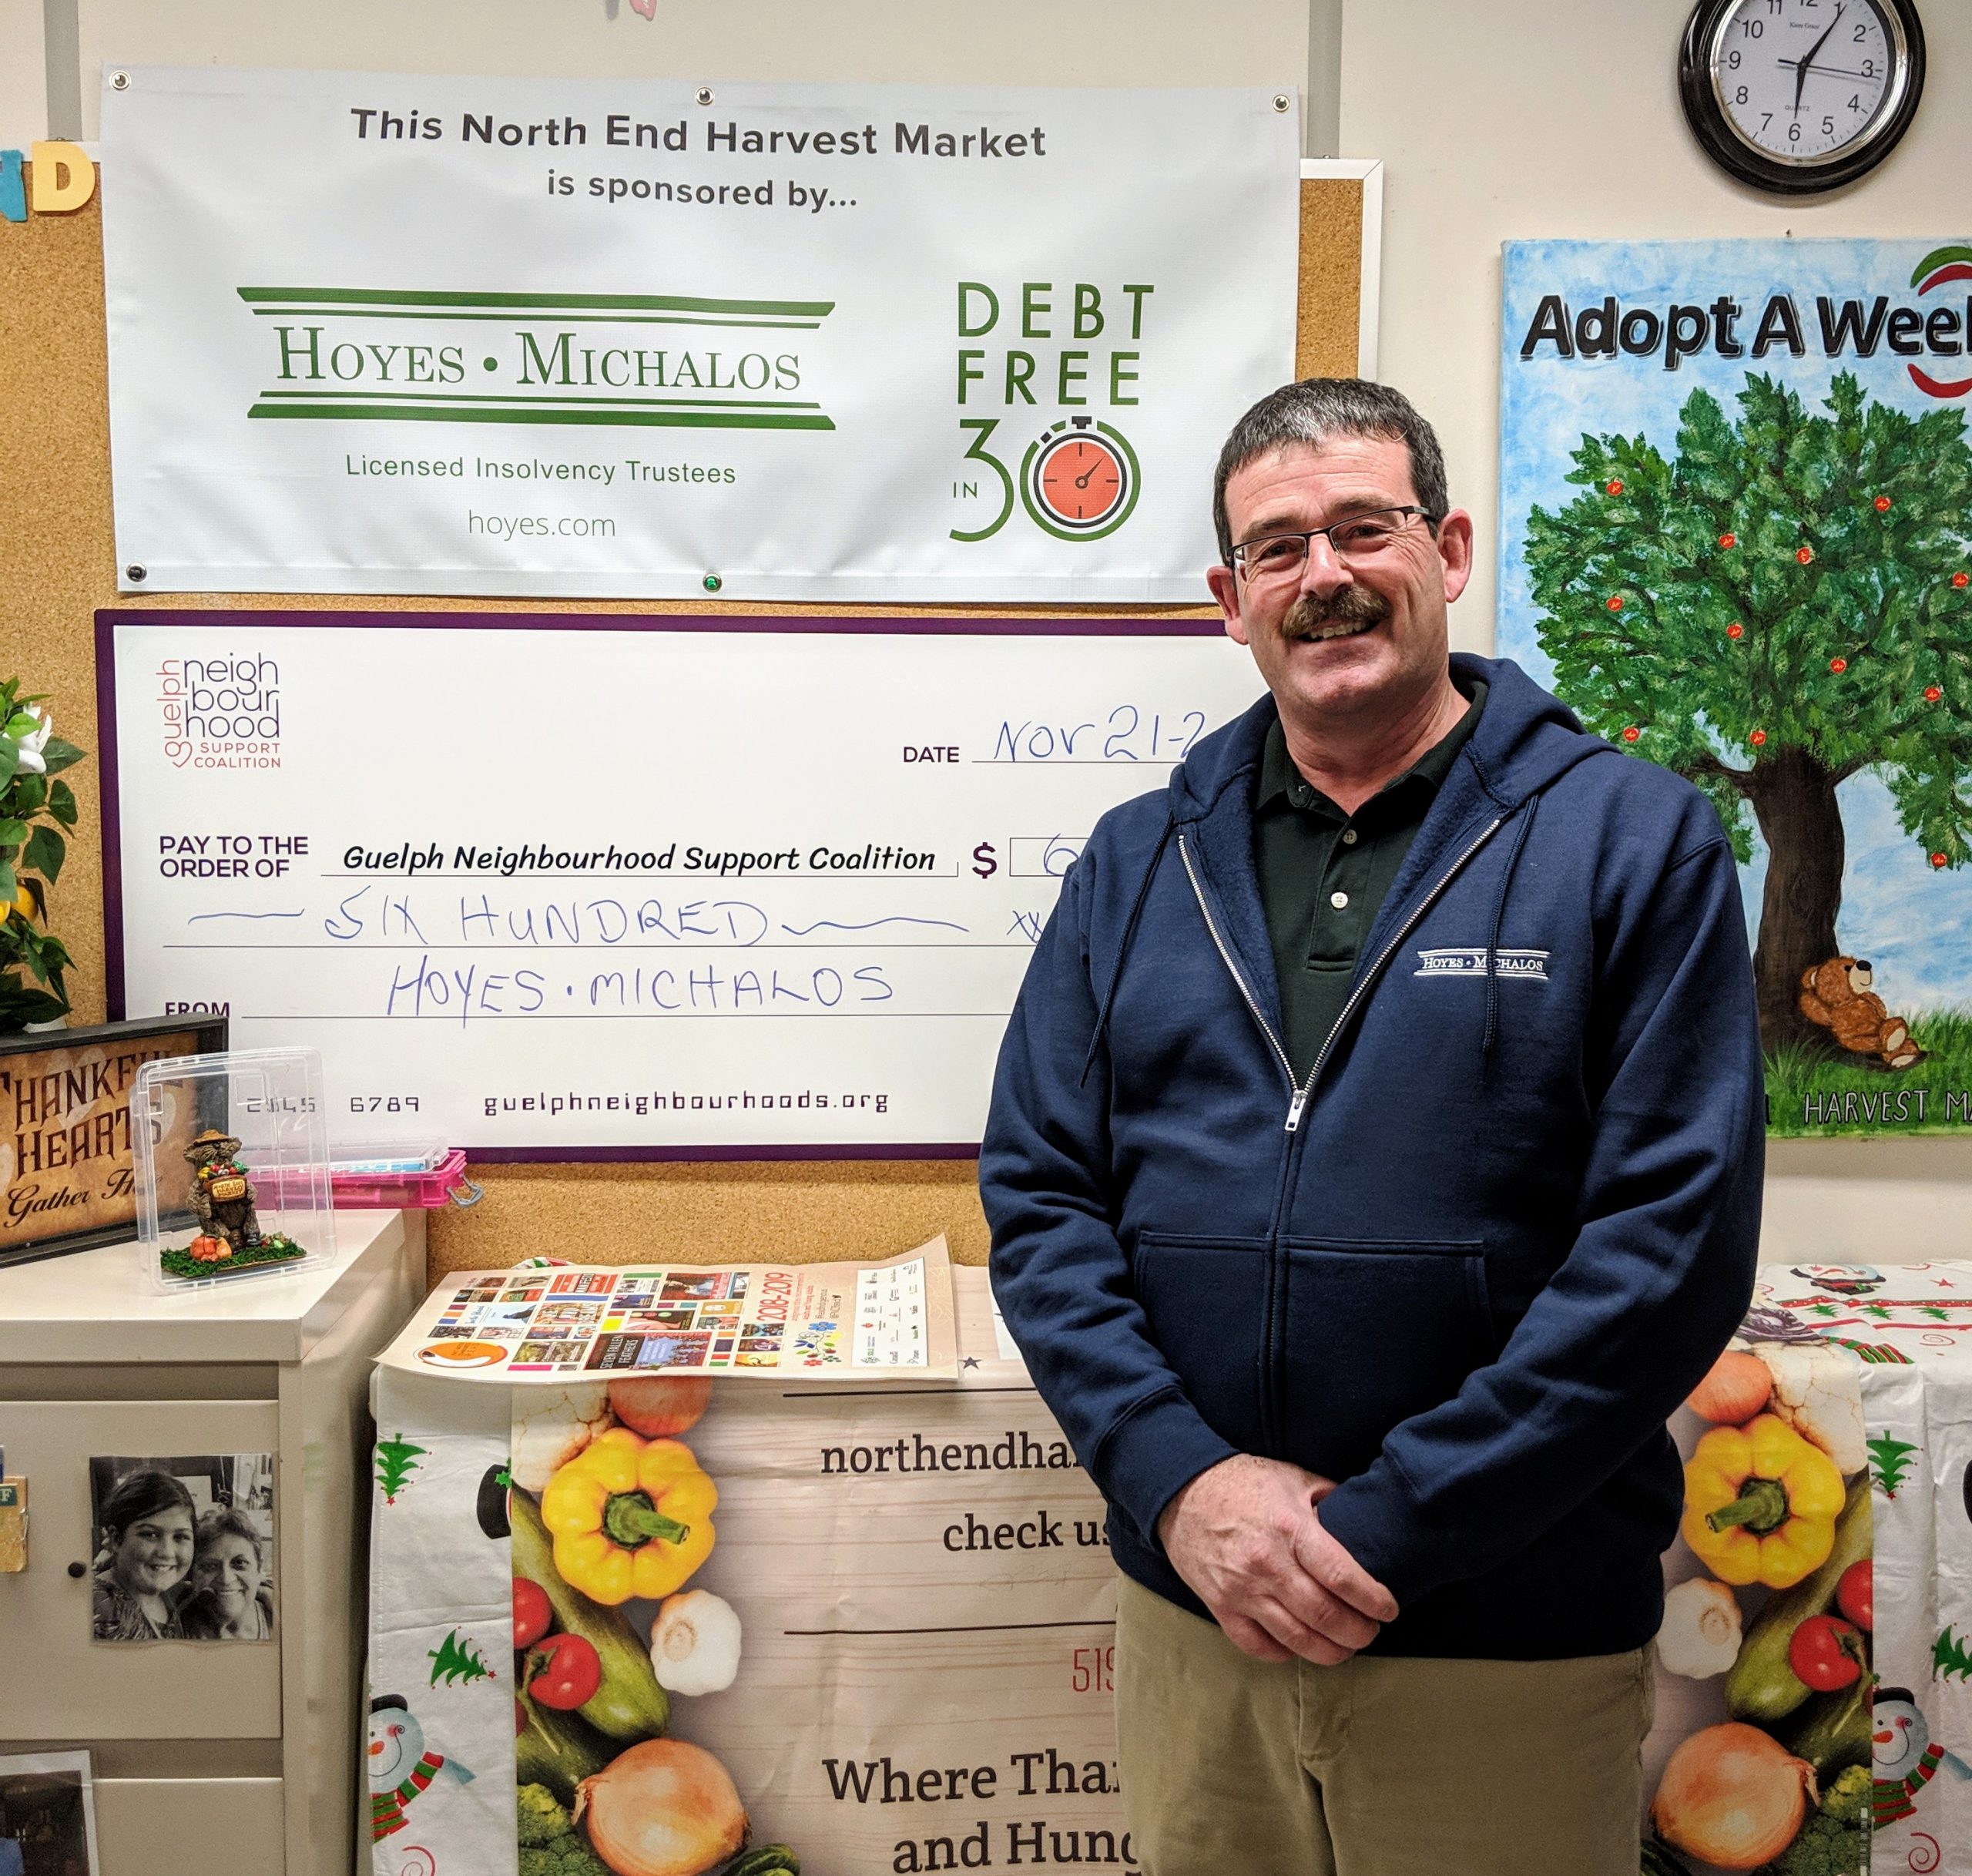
(1801, 95)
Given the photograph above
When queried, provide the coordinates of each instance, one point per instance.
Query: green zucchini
(557, 1750)
(629, 1705)
(1834, 1731)
(1761, 1686)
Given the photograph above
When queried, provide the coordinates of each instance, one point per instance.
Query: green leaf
(45, 851)
(20, 724)
(19, 1007)
(10, 759)
(12, 831)
(60, 755)
(9, 885)
(30, 791)
(62, 802)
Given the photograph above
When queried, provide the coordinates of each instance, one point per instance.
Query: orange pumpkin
(210, 1250)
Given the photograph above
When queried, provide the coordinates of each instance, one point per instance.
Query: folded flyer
(553, 1323)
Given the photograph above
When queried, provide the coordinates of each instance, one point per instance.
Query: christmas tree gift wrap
(438, 1761)
(1814, 1711)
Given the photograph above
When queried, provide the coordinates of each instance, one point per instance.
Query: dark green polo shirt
(1324, 875)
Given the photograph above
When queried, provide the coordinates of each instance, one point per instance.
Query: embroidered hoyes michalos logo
(1470, 961)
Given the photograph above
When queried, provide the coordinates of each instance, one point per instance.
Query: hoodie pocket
(1373, 1334)
(1206, 1300)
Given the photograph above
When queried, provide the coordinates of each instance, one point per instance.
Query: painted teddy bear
(1836, 996)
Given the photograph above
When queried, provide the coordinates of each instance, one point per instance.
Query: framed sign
(65, 1154)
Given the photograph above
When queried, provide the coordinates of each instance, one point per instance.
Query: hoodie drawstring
(1123, 950)
(1493, 944)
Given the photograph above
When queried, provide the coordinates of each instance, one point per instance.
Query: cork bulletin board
(57, 569)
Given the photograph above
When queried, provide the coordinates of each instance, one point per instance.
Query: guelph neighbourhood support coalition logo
(220, 713)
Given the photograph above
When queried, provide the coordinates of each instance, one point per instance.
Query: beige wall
(23, 75)
(892, 41)
(1518, 118)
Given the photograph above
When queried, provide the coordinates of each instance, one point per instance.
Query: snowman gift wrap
(1905, 1760)
(400, 1769)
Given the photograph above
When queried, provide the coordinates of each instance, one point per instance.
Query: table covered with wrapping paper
(895, 1655)
(1814, 1690)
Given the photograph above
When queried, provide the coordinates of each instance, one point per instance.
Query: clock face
(1801, 83)
(1080, 480)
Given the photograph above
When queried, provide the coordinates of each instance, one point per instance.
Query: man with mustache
(1374, 1163)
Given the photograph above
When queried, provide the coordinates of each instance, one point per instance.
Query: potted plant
(34, 809)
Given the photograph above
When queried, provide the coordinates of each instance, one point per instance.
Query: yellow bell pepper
(630, 1516)
(1761, 1503)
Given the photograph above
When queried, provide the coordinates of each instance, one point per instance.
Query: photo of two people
(184, 1549)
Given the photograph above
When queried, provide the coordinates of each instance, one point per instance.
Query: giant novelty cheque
(557, 336)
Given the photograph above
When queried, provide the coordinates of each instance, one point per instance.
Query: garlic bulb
(695, 1643)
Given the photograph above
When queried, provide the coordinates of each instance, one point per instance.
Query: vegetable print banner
(1814, 1713)
(376, 333)
(752, 1631)
(1736, 535)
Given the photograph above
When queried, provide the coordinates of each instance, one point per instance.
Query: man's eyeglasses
(1361, 537)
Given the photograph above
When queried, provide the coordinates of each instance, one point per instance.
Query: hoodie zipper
(1252, 1002)
(1299, 1094)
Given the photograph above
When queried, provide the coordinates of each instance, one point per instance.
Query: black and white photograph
(47, 1815)
(184, 1549)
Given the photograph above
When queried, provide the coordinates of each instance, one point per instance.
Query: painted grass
(1811, 1096)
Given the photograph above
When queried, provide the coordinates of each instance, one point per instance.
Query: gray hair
(1310, 413)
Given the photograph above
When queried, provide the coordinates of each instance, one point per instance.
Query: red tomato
(1825, 1653)
(564, 1671)
(1856, 1595)
(533, 1616)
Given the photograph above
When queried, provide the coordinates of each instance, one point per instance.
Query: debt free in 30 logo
(1074, 349)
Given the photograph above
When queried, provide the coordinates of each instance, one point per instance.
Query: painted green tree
(396, 1461)
(457, 1659)
(1890, 1459)
(1951, 1655)
(1784, 604)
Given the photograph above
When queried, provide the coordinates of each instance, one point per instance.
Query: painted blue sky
(1913, 923)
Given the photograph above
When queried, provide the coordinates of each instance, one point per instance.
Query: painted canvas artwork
(1735, 529)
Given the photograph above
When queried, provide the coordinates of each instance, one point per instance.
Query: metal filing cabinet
(207, 1756)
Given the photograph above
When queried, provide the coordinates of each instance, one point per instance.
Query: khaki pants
(1378, 1767)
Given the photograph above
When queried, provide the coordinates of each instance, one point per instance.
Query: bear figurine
(222, 1195)
(1836, 996)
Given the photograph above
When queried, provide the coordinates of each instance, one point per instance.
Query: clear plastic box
(398, 1175)
(232, 1166)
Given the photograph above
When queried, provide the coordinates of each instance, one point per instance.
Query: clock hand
(1801, 71)
(1081, 481)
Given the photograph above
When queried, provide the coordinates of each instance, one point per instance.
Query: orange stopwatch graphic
(1080, 479)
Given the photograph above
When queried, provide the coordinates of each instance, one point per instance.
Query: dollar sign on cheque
(983, 862)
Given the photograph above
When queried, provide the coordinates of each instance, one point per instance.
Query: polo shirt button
(1338, 900)
(1348, 837)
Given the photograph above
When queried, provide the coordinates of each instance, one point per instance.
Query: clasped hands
(1246, 1535)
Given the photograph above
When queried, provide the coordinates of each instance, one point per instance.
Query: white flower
(29, 746)
(1701, 1633)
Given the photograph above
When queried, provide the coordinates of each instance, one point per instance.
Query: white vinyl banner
(557, 336)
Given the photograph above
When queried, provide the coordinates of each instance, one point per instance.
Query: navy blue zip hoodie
(1467, 1269)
